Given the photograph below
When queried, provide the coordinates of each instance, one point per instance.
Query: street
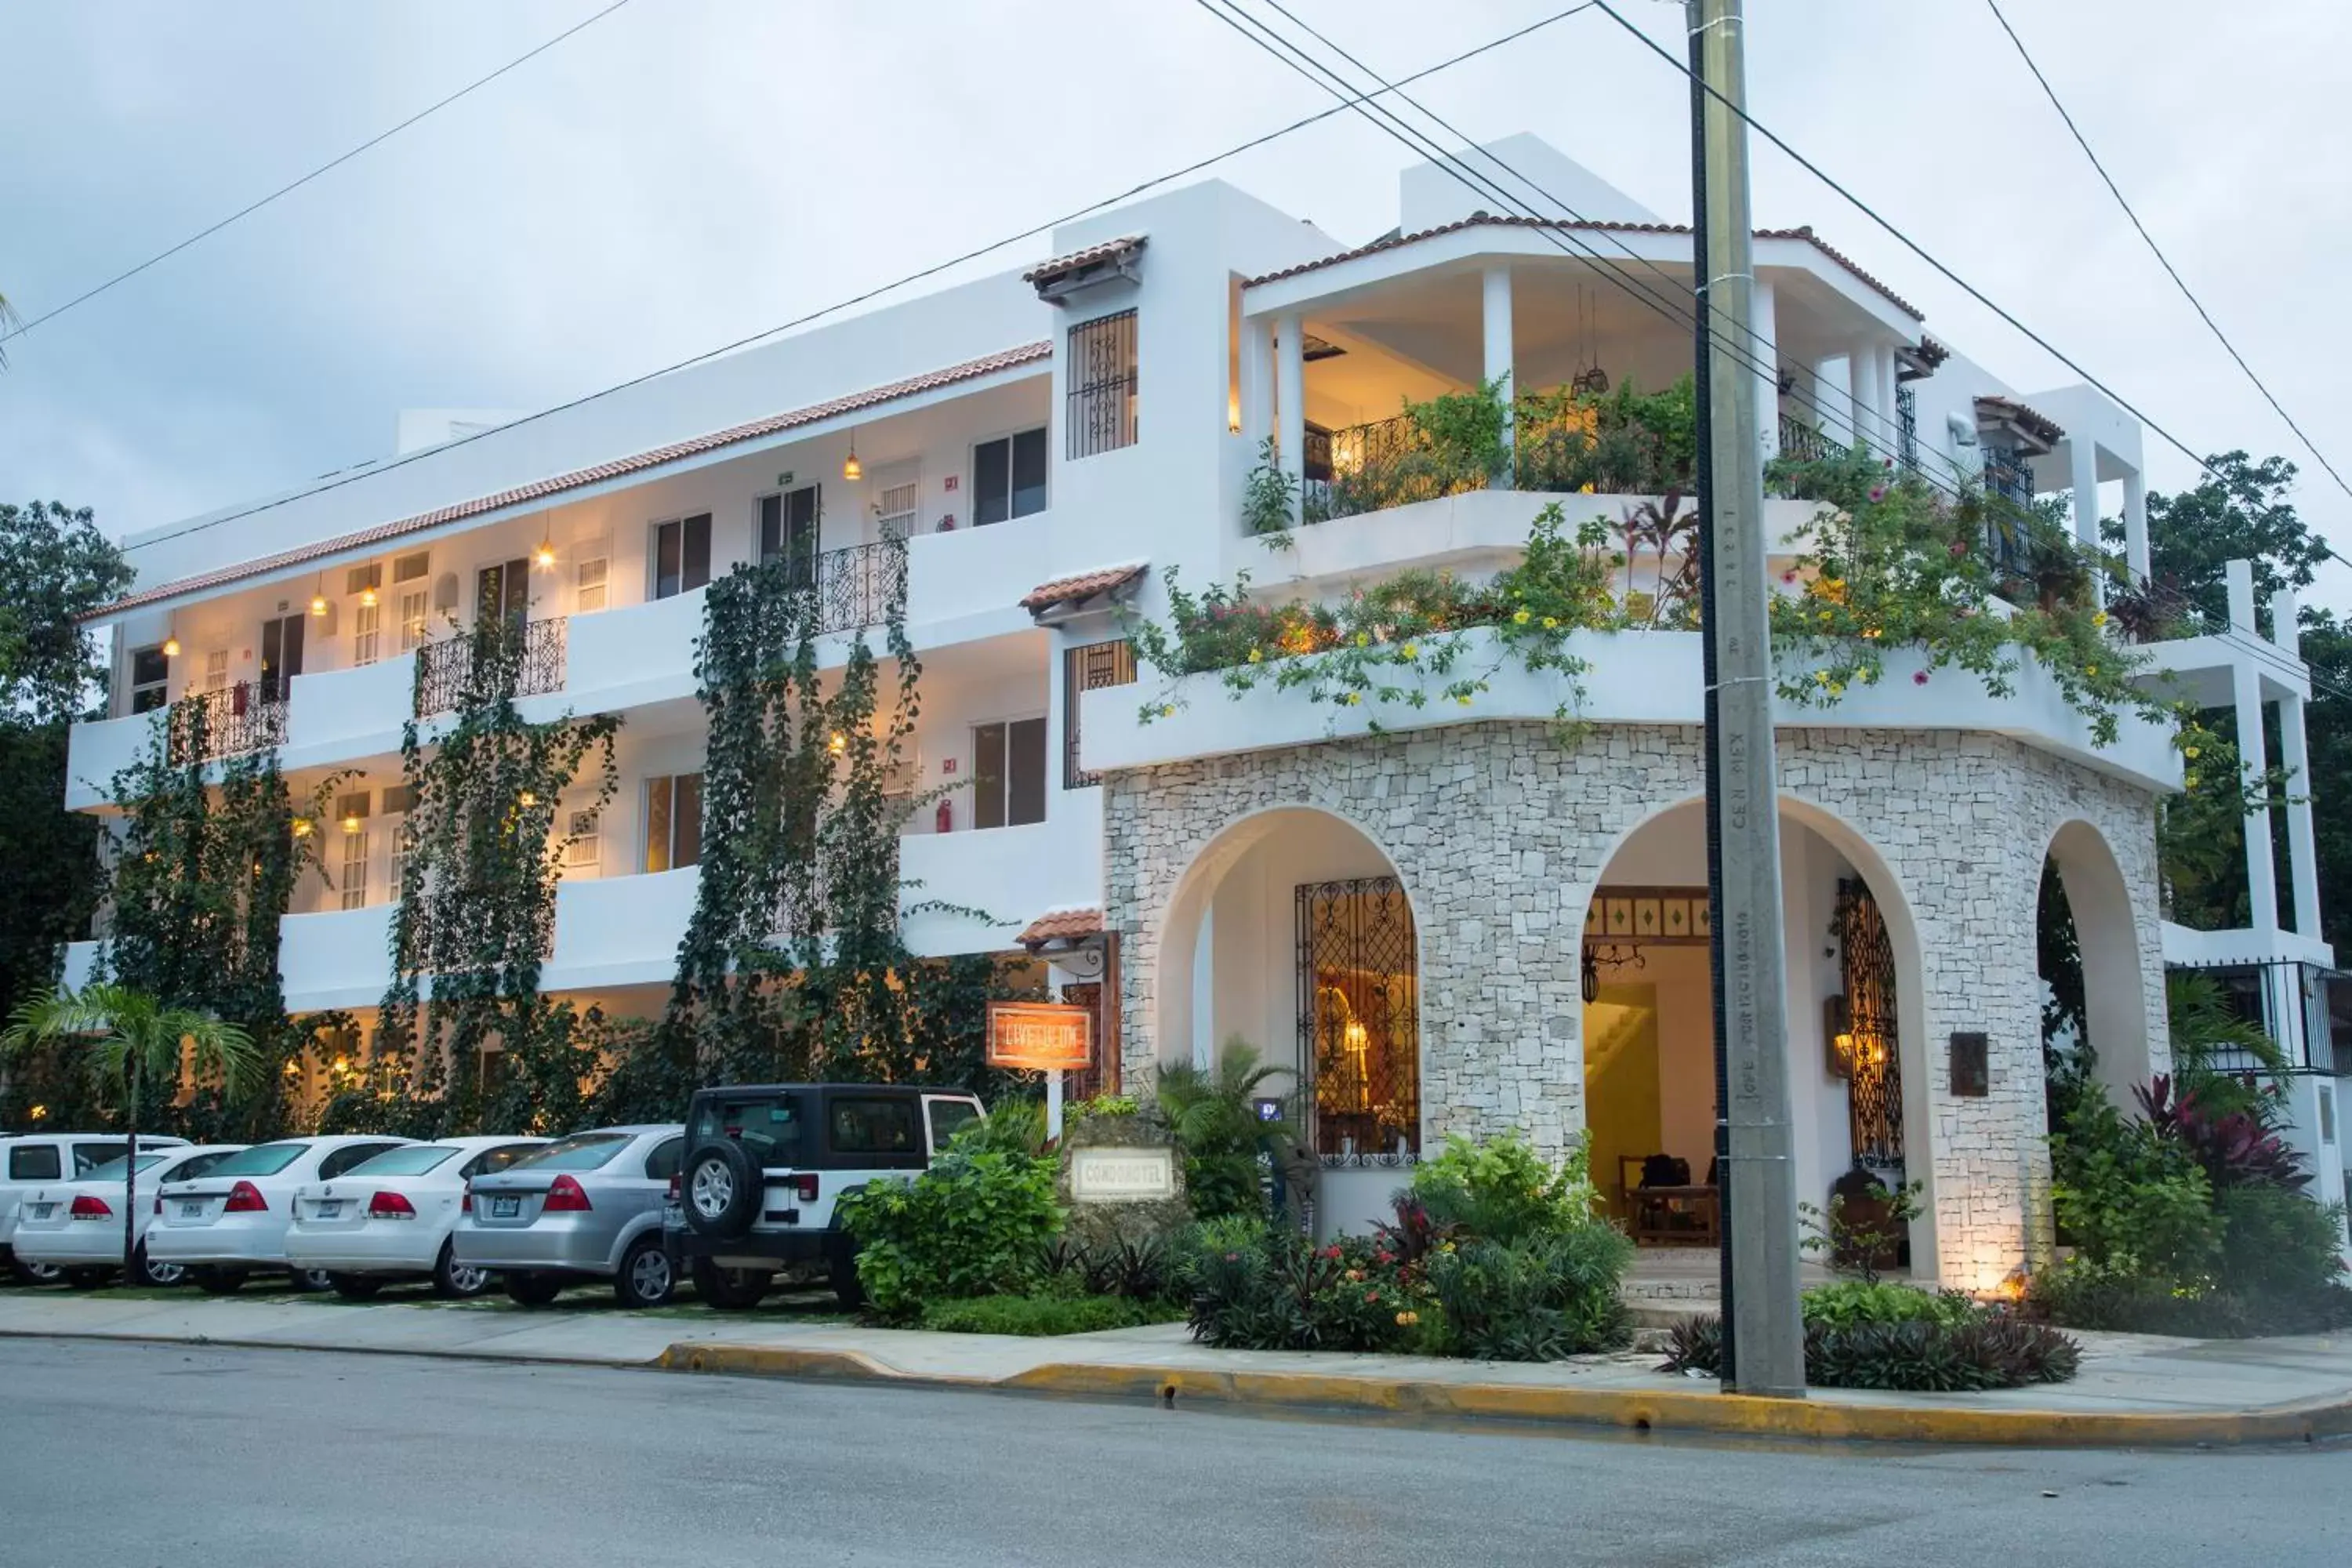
(266, 1458)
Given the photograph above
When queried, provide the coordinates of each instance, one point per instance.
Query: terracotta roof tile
(1389, 242)
(1062, 925)
(1090, 255)
(1085, 585)
(2033, 424)
(540, 489)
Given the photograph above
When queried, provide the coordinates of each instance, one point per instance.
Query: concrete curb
(1640, 1410)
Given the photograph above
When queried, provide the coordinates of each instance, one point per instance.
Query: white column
(1257, 373)
(1829, 391)
(1291, 401)
(1764, 347)
(2136, 526)
(1862, 362)
(2294, 756)
(2085, 453)
(1500, 357)
(1889, 432)
(2254, 751)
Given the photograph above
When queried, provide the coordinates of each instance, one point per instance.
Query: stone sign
(1122, 1175)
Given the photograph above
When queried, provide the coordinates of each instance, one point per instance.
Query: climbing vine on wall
(484, 842)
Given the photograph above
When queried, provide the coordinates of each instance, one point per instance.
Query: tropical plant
(1501, 1190)
(1853, 1240)
(1278, 1290)
(974, 1225)
(1851, 1301)
(130, 1038)
(2234, 1148)
(1212, 1114)
(1550, 1295)
(1269, 496)
(1985, 1351)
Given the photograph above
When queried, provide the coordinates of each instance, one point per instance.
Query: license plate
(192, 1211)
(505, 1208)
(329, 1209)
(41, 1211)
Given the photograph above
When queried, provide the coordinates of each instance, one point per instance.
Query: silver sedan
(584, 1207)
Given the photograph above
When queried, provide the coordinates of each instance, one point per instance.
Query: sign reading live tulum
(1105, 1175)
(1040, 1037)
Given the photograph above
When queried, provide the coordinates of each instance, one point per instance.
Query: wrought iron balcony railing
(246, 717)
(453, 669)
(855, 585)
(1804, 443)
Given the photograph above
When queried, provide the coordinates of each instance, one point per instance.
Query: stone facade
(1501, 835)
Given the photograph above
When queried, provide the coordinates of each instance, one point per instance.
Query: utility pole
(1764, 1341)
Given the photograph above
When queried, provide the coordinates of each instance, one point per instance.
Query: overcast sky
(684, 171)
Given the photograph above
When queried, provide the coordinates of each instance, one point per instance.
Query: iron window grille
(1089, 669)
(1874, 1092)
(1359, 1019)
(1906, 426)
(1102, 372)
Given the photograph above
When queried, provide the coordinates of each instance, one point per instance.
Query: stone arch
(2106, 928)
(1804, 930)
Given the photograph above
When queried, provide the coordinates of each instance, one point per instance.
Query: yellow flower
(1820, 678)
(2098, 617)
(2090, 669)
(1257, 656)
(1825, 617)
(1354, 697)
(2189, 752)
(1837, 688)
(2189, 781)
(1464, 699)
(1168, 710)
(1521, 617)
(1551, 623)
(1412, 650)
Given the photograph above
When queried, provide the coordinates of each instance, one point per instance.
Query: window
(588, 584)
(399, 800)
(672, 821)
(150, 679)
(503, 588)
(767, 1126)
(1101, 374)
(195, 1165)
(584, 840)
(352, 880)
(949, 1117)
(216, 670)
(366, 619)
(663, 1163)
(281, 656)
(863, 1125)
(894, 515)
(35, 1162)
(681, 555)
(262, 1159)
(412, 568)
(87, 1157)
(491, 1162)
(412, 1160)
(581, 1151)
(362, 580)
(1008, 773)
(1008, 477)
(115, 1169)
(349, 1156)
(1088, 669)
(788, 530)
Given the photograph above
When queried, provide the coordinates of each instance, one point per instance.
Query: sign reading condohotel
(1040, 1037)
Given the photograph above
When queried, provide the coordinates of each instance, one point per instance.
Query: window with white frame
(897, 495)
(584, 839)
(1008, 773)
(151, 679)
(590, 587)
(366, 637)
(681, 555)
(411, 584)
(351, 876)
(672, 821)
(1101, 374)
(216, 669)
(1008, 477)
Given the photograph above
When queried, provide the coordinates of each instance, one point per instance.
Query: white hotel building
(1398, 913)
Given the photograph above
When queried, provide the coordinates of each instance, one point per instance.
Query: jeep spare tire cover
(722, 1189)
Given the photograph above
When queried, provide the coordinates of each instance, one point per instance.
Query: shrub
(972, 1225)
(1851, 1302)
(1189, 1250)
(1212, 1114)
(1034, 1316)
(1539, 1300)
(1986, 1350)
(2278, 1242)
(2081, 1294)
(2130, 1200)
(1138, 1268)
(1282, 1293)
(1502, 1190)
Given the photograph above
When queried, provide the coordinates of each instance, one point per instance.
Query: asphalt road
(266, 1458)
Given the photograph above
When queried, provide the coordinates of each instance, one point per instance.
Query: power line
(1923, 254)
(2158, 252)
(337, 481)
(252, 207)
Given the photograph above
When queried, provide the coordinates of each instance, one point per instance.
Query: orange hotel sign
(1040, 1037)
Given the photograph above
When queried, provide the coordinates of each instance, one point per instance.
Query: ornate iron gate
(1874, 1090)
(1359, 1019)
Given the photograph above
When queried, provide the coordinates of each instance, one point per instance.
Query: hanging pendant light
(853, 470)
(171, 647)
(367, 595)
(319, 597)
(545, 553)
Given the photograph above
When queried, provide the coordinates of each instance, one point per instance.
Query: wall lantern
(853, 470)
(1590, 976)
(1837, 1033)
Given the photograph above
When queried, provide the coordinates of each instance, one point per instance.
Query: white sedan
(391, 1217)
(230, 1223)
(76, 1226)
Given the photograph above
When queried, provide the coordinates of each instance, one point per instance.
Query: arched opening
(2094, 1012)
(1856, 1027)
(1292, 932)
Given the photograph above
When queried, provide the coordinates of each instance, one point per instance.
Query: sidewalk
(2134, 1389)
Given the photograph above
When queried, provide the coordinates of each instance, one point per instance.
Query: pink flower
(1788, 576)
(1233, 1257)
(1919, 677)
(1878, 492)
(1890, 463)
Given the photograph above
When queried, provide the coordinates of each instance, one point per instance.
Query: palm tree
(1213, 1114)
(129, 1037)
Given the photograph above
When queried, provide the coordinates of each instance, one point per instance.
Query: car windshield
(113, 1170)
(581, 1151)
(261, 1159)
(767, 1125)
(412, 1160)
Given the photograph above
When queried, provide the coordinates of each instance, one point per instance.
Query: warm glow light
(38, 1113)
(367, 597)
(853, 469)
(171, 647)
(546, 554)
(293, 1069)
(527, 798)
(838, 743)
(318, 604)
(350, 825)
(302, 827)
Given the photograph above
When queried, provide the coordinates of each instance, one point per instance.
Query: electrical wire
(252, 207)
(2158, 252)
(339, 480)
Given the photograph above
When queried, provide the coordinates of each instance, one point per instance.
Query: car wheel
(25, 1273)
(219, 1281)
(841, 1268)
(646, 1278)
(728, 1290)
(355, 1287)
(89, 1279)
(723, 1189)
(458, 1282)
(312, 1279)
(162, 1276)
(527, 1289)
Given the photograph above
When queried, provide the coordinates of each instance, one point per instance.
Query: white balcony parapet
(96, 752)
(340, 958)
(1631, 678)
(1012, 874)
(611, 931)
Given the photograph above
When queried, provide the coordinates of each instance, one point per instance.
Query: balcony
(1010, 875)
(1803, 442)
(459, 672)
(211, 725)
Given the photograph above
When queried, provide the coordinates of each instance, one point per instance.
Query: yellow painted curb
(1662, 1410)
